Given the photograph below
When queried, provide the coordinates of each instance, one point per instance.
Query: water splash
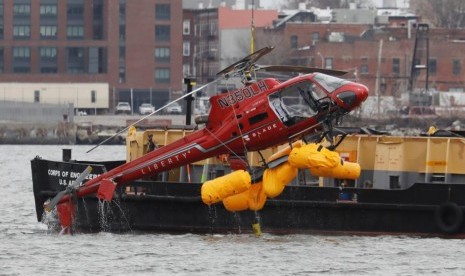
(86, 210)
(103, 218)
(50, 219)
(108, 216)
(123, 215)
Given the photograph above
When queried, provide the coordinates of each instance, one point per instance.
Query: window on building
(328, 63)
(75, 53)
(75, 60)
(75, 11)
(315, 37)
(396, 66)
(197, 29)
(432, 66)
(97, 20)
(1, 30)
(21, 59)
(364, 69)
(122, 33)
(294, 41)
(364, 65)
(122, 53)
(93, 96)
(37, 96)
(456, 67)
(186, 48)
(162, 32)
(97, 32)
(97, 11)
(49, 53)
(97, 60)
(21, 10)
(75, 32)
(21, 31)
(163, 11)
(162, 75)
(186, 69)
(213, 28)
(122, 74)
(186, 27)
(21, 53)
(48, 60)
(162, 54)
(122, 9)
(47, 10)
(48, 32)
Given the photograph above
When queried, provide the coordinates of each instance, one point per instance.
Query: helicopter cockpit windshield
(329, 83)
(296, 102)
(303, 100)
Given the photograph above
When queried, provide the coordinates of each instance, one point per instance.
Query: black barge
(408, 186)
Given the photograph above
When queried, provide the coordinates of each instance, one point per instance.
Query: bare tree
(449, 14)
(281, 53)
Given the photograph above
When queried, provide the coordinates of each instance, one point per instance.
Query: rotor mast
(252, 29)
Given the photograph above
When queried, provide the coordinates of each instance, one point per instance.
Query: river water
(27, 247)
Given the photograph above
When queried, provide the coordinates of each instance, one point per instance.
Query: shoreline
(83, 129)
(95, 129)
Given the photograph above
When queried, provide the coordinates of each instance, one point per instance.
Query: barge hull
(159, 206)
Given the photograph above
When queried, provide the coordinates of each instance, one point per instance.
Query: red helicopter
(261, 114)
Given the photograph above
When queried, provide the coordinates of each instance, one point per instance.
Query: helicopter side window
(258, 118)
(277, 105)
(296, 102)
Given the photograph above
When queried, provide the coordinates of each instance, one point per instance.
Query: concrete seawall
(121, 120)
(82, 130)
(94, 129)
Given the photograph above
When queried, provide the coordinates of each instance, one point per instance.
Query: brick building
(216, 37)
(127, 44)
(385, 67)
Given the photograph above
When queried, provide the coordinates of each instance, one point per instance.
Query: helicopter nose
(353, 96)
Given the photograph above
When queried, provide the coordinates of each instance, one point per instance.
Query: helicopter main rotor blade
(52, 203)
(300, 69)
(48, 206)
(154, 112)
(247, 62)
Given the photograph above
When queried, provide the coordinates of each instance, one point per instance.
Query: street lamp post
(190, 82)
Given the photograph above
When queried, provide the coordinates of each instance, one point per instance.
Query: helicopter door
(294, 103)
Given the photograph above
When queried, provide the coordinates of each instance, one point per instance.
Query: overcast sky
(271, 3)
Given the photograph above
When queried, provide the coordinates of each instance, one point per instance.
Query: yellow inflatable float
(323, 163)
(215, 190)
(238, 194)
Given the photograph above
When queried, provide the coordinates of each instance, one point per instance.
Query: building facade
(379, 57)
(214, 38)
(133, 46)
